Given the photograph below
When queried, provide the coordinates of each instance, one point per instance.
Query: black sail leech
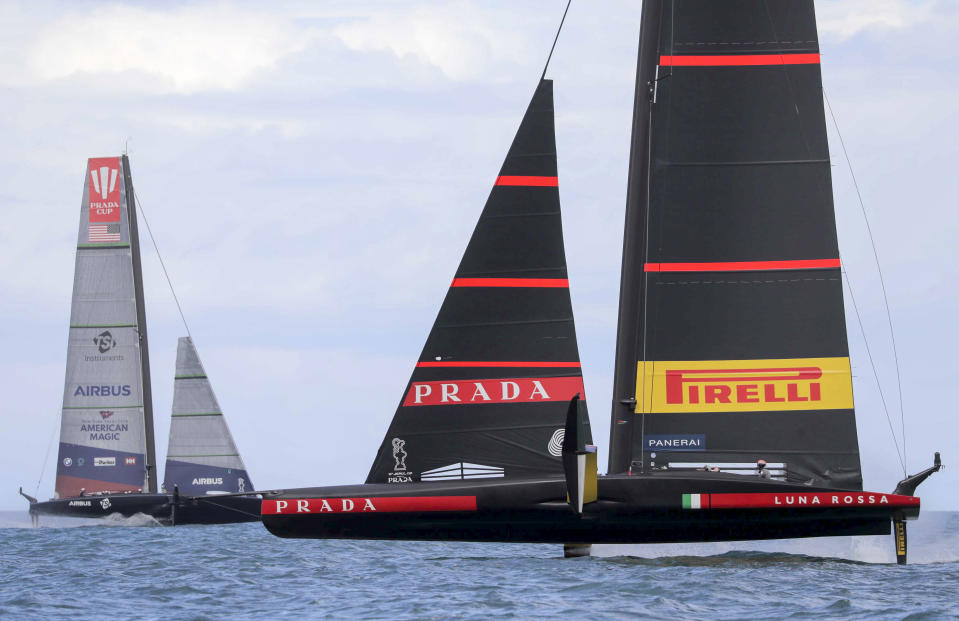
(732, 335)
(489, 394)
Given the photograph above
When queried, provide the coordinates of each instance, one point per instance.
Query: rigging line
(875, 373)
(139, 206)
(555, 39)
(882, 281)
(46, 456)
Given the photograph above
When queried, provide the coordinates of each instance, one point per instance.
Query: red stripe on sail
(739, 60)
(809, 500)
(402, 504)
(551, 182)
(741, 266)
(561, 283)
(491, 363)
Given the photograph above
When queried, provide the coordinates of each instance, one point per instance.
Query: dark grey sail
(489, 394)
(202, 457)
(732, 339)
(106, 431)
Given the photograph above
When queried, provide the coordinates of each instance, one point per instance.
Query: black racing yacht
(732, 415)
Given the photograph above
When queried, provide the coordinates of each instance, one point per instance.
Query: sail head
(103, 434)
(202, 456)
(489, 394)
(732, 343)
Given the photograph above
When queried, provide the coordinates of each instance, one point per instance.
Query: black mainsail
(732, 338)
(489, 393)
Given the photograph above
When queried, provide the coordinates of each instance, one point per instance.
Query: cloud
(460, 40)
(847, 18)
(184, 50)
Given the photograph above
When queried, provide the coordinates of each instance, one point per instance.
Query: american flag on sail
(100, 233)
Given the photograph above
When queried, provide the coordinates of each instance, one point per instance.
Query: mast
(150, 466)
(629, 334)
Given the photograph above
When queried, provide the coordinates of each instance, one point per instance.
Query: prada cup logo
(105, 503)
(399, 454)
(104, 180)
(104, 342)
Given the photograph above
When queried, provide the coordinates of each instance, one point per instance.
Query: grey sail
(202, 456)
(106, 431)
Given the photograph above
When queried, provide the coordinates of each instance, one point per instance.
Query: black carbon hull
(647, 509)
(188, 510)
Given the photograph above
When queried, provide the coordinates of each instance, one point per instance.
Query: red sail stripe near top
(739, 60)
(741, 266)
(562, 283)
(491, 363)
(551, 182)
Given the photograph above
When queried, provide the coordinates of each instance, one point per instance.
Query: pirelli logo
(743, 385)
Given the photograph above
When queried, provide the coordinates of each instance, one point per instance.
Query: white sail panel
(102, 430)
(202, 456)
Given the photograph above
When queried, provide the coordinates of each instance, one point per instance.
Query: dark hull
(638, 509)
(188, 510)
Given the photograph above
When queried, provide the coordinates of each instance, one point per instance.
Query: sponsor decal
(208, 481)
(80, 503)
(104, 461)
(800, 500)
(672, 442)
(104, 431)
(67, 462)
(105, 503)
(399, 474)
(240, 484)
(129, 461)
(462, 471)
(104, 342)
(105, 414)
(104, 189)
(513, 390)
(80, 461)
(103, 390)
(744, 385)
(555, 445)
(368, 505)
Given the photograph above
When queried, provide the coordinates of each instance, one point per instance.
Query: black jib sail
(732, 339)
(489, 394)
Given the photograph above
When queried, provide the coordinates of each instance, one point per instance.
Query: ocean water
(133, 569)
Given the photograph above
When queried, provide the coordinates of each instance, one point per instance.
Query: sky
(312, 171)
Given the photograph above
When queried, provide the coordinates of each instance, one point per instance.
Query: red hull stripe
(739, 60)
(68, 486)
(507, 363)
(742, 266)
(301, 506)
(806, 500)
(562, 283)
(549, 182)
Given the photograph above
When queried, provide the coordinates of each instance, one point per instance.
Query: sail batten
(732, 329)
(492, 384)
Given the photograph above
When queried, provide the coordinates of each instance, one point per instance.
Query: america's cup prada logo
(104, 195)
(743, 385)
